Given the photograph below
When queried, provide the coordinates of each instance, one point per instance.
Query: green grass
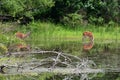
(48, 32)
(46, 35)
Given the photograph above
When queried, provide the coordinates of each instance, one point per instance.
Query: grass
(49, 32)
(46, 35)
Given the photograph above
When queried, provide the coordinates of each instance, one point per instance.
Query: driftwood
(66, 60)
(72, 65)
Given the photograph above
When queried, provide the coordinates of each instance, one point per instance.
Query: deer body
(88, 34)
(89, 45)
(22, 35)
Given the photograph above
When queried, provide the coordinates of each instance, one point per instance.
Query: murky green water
(102, 62)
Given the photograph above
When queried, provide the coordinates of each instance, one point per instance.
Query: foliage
(11, 7)
(108, 10)
(103, 10)
(94, 11)
(95, 20)
(29, 8)
(63, 7)
(73, 20)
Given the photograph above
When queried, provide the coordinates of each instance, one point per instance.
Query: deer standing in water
(89, 45)
(22, 35)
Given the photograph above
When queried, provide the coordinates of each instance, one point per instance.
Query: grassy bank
(46, 35)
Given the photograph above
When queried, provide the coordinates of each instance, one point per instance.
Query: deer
(89, 45)
(22, 35)
(88, 34)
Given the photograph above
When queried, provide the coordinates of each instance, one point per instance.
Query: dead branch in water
(72, 65)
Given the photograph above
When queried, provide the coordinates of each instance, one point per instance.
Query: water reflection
(68, 67)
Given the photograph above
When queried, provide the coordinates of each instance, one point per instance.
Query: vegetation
(59, 25)
(91, 11)
(49, 36)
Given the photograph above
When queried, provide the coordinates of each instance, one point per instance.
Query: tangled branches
(55, 62)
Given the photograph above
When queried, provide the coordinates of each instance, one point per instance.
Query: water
(100, 63)
(89, 65)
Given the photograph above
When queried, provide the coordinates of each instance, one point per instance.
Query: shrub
(64, 7)
(103, 10)
(28, 8)
(73, 20)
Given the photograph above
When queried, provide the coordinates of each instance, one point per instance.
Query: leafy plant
(28, 8)
(72, 20)
(64, 7)
(97, 21)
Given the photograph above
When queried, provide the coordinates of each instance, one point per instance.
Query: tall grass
(46, 35)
